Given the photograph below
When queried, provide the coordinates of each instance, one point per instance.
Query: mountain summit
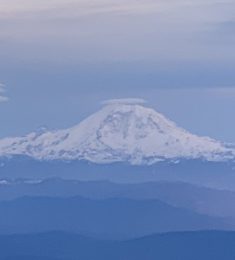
(124, 130)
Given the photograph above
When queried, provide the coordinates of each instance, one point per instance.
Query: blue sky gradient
(60, 59)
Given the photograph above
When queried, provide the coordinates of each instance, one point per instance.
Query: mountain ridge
(115, 218)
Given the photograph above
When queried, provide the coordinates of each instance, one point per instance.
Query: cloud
(83, 6)
(76, 8)
(124, 101)
(78, 31)
(222, 92)
(3, 98)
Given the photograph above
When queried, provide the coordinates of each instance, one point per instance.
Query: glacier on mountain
(124, 130)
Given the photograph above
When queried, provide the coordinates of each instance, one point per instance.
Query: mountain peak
(124, 130)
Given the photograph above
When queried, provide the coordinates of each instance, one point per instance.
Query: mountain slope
(122, 131)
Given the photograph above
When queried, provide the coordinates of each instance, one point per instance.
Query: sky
(60, 59)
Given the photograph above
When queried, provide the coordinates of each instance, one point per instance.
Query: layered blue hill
(203, 245)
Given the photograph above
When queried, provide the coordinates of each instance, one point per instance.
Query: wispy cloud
(84, 7)
(3, 98)
(165, 31)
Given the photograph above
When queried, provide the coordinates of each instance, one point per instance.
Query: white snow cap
(124, 130)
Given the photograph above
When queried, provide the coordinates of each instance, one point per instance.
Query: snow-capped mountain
(122, 131)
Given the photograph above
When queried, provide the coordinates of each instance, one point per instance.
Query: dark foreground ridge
(204, 245)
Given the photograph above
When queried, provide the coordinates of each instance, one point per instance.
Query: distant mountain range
(104, 220)
(201, 200)
(219, 175)
(122, 131)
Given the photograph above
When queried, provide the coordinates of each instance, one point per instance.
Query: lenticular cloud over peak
(125, 101)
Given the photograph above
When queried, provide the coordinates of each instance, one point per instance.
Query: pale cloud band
(88, 7)
(94, 31)
(3, 98)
